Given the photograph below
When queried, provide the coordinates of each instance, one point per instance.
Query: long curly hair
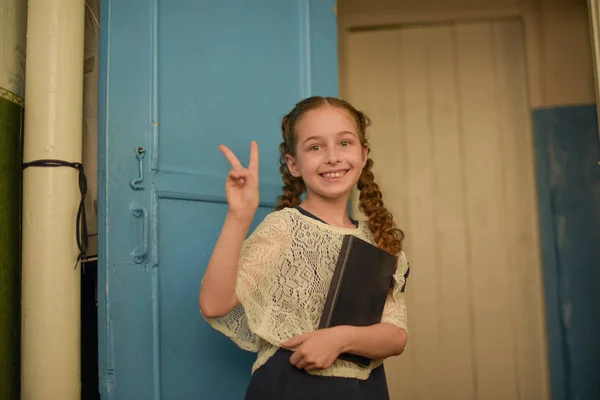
(381, 223)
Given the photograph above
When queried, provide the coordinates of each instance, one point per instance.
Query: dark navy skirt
(278, 379)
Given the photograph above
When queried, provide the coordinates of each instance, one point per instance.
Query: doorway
(452, 145)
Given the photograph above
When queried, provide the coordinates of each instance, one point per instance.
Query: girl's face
(329, 155)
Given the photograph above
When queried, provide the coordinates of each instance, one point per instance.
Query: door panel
(179, 78)
(129, 285)
(224, 74)
(186, 342)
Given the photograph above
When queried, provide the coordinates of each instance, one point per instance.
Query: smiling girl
(267, 292)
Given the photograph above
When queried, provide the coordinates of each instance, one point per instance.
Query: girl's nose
(332, 156)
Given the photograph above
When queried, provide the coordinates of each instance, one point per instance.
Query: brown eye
(345, 143)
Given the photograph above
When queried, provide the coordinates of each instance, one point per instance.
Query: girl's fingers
(235, 163)
(302, 364)
(253, 166)
(235, 174)
(309, 367)
(296, 358)
(238, 173)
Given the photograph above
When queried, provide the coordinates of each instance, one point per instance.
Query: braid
(293, 187)
(381, 222)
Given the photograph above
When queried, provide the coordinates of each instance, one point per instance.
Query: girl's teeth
(333, 174)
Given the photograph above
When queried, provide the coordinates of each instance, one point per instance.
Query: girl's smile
(329, 156)
(333, 176)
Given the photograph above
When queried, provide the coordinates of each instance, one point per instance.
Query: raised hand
(241, 186)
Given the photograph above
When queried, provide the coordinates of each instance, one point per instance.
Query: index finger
(230, 156)
(253, 165)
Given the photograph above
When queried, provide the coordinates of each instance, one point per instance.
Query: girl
(267, 292)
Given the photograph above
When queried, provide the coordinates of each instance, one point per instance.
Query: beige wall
(557, 37)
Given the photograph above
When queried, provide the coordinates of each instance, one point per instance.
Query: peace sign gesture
(241, 186)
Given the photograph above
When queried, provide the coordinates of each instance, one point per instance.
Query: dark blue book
(361, 281)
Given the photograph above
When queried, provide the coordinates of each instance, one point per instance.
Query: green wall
(11, 139)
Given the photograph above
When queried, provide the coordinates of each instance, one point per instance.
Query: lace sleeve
(395, 308)
(262, 253)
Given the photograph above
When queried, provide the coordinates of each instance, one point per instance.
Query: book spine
(336, 282)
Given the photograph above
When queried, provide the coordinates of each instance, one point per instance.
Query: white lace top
(286, 266)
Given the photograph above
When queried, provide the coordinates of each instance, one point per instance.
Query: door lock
(139, 154)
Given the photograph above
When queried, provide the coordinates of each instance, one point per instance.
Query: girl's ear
(365, 155)
(292, 165)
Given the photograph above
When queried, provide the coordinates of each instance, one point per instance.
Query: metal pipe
(50, 316)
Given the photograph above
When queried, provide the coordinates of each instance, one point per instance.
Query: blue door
(178, 78)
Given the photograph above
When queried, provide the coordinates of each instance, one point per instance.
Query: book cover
(361, 281)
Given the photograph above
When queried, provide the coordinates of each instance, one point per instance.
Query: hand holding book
(358, 289)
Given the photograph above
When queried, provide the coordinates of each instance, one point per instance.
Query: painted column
(50, 311)
(13, 19)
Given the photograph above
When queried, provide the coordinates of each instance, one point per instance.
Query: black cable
(80, 222)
